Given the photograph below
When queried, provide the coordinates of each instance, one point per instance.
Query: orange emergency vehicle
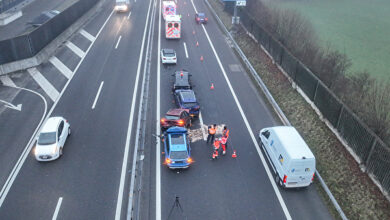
(172, 27)
(168, 8)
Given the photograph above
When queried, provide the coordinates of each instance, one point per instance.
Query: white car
(168, 56)
(51, 139)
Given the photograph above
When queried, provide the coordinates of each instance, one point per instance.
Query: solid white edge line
(57, 208)
(117, 43)
(97, 95)
(201, 126)
(270, 176)
(11, 178)
(130, 126)
(158, 146)
(185, 49)
(128, 17)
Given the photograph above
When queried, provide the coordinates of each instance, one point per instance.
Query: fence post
(339, 118)
(370, 153)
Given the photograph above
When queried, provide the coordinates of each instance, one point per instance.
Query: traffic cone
(234, 155)
(201, 58)
(197, 43)
(212, 86)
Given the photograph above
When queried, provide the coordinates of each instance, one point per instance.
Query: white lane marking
(57, 209)
(87, 35)
(79, 52)
(117, 43)
(270, 176)
(44, 84)
(185, 49)
(61, 67)
(128, 17)
(130, 126)
(17, 107)
(7, 81)
(158, 132)
(97, 94)
(15, 171)
(201, 125)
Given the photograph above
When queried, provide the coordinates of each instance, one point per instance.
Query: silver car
(51, 139)
(168, 56)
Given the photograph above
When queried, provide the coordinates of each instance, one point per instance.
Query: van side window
(281, 159)
(266, 134)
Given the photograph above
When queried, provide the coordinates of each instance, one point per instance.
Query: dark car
(201, 18)
(182, 80)
(186, 99)
(176, 117)
(177, 148)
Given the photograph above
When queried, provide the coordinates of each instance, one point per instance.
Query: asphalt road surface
(93, 177)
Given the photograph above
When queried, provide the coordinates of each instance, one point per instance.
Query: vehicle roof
(176, 130)
(166, 3)
(294, 144)
(51, 124)
(175, 111)
(179, 147)
(187, 95)
(172, 18)
(181, 80)
(168, 50)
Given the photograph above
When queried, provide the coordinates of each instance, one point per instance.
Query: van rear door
(300, 172)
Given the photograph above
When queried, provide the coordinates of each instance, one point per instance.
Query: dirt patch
(357, 195)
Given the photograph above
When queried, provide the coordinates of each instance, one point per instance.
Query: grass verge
(358, 196)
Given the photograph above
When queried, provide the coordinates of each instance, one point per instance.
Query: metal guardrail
(272, 101)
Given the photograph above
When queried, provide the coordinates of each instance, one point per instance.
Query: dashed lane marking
(75, 49)
(61, 67)
(87, 35)
(44, 84)
(7, 81)
(57, 208)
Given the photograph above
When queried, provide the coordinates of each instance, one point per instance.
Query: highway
(102, 101)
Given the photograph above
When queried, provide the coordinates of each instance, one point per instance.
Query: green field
(358, 28)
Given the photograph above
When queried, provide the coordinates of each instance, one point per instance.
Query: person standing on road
(225, 133)
(223, 143)
(217, 143)
(212, 130)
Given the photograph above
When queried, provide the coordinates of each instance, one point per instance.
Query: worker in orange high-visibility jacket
(225, 132)
(223, 143)
(212, 130)
(217, 143)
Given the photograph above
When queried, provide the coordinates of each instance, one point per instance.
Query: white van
(122, 5)
(291, 159)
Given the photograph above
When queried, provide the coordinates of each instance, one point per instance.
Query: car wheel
(61, 151)
(277, 179)
(69, 131)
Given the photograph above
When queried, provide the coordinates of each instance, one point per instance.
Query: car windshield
(47, 138)
(172, 117)
(177, 139)
(189, 104)
(201, 15)
(179, 155)
(169, 54)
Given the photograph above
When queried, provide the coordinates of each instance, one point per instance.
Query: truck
(290, 157)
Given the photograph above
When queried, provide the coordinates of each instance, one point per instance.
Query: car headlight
(54, 150)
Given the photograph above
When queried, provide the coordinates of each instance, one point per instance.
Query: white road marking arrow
(11, 106)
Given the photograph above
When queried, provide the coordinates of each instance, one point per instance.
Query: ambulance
(172, 27)
(168, 8)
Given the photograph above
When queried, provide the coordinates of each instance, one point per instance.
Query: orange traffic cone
(212, 86)
(197, 43)
(234, 155)
(201, 58)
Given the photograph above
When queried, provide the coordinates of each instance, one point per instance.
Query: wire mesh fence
(367, 146)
